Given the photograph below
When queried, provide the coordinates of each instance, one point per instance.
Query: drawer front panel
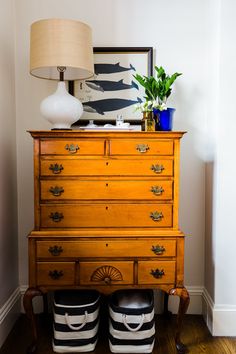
(106, 215)
(108, 273)
(72, 147)
(55, 273)
(107, 189)
(141, 147)
(106, 167)
(108, 248)
(156, 272)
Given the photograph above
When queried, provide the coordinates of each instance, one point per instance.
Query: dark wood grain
(195, 335)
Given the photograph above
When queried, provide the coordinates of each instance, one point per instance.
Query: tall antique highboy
(106, 215)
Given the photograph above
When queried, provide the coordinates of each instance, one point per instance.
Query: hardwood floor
(195, 335)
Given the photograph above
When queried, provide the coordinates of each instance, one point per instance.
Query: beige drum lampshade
(61, 42)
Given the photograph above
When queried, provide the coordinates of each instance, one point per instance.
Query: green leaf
(159, 87)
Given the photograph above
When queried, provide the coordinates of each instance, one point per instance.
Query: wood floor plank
(195, 335)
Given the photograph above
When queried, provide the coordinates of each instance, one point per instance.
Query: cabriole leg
(28, 306)
(183, 306)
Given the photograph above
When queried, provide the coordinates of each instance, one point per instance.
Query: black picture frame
(114, 69)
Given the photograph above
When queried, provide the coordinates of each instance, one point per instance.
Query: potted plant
(157, 90)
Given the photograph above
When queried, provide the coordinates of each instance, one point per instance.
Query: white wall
(224, 221)
(220, 301)
(212, 121)
(8, 192)
(226, 168)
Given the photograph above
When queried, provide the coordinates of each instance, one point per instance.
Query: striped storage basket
(131, 321)
(76, 320)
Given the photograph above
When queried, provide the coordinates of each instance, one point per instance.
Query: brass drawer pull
(157, 273)
(142, 148)
(107, 280)
(156, 190)
(56, 191)
(158, 250)
(72, 149)
(56, 217)
(156, 216)
(157, 168)
(55, 250)
(55, 274)
(55, 168)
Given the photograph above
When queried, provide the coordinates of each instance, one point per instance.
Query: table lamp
(61, 49)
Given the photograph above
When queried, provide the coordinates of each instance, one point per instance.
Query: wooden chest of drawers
(106, 213)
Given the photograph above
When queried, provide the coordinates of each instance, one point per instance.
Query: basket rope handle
(124, 319)
(76, 328)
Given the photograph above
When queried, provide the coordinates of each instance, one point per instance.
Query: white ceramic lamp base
(61, 109)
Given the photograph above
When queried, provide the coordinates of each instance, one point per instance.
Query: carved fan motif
(106, 272)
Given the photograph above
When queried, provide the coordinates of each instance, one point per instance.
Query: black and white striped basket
(76, 320)
(131, 321)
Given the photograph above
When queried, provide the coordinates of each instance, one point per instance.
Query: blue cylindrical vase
(164, 119)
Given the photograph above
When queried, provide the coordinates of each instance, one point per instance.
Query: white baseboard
(23, 289)
(220, 319)
(195, 306)
(207, 309)
(9, 313)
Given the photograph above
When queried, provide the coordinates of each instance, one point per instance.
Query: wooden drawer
(72, 147)
(106, 215)
(156, 272)
(106, 273)
(55, 273)
(106, 167)
(106, 189)
(106, 248)
(141, 147)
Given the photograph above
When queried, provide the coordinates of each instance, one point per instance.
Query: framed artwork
(113, 91)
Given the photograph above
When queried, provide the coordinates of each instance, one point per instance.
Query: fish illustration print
(106, 85)
(107, 105)
(107, 68)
